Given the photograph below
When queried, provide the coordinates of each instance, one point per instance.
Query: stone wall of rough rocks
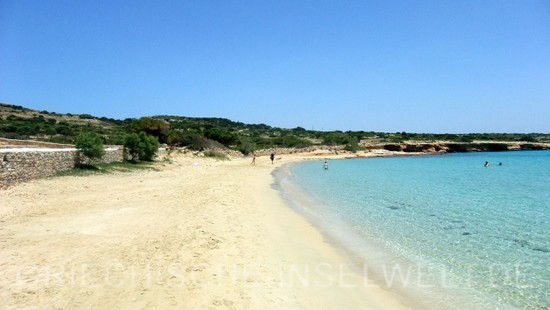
(17, 166)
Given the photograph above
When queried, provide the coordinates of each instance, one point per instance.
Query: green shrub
(90, 145)
(86, 116)
(50, 131)
(64, 130)
(150, 146)
(334, 138)
(527, 138)
(466, 139)
(27, 130)
(179, 138)
(153, 127)
(131, 144)
(216, 155)
(245, 146)
(291, 141)
(141, 146)
(224, 137)
(353, 145)
(200, 143)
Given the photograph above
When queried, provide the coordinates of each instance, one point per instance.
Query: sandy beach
(194, 234)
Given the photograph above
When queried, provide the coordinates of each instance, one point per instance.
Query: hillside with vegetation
(17, 122)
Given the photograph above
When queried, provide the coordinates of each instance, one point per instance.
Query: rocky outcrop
(424, 148)
(393, 147)
(532, 147)
(442, 147)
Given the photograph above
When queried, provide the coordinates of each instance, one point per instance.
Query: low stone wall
(18, 166)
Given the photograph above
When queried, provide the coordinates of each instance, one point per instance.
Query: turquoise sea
(442, 230)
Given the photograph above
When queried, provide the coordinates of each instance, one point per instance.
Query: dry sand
(197, 234)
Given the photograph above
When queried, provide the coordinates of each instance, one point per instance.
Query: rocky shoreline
(452, 147)
(415, 147)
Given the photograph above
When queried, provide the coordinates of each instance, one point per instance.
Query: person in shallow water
(325, 165)
(486, 164)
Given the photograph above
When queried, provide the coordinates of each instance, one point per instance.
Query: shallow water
(474, 235)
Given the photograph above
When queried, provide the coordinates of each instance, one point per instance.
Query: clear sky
(440, 66)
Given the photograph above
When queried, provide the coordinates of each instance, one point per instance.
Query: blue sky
(417, 66)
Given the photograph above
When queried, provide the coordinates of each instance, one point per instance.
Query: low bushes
(141, 146)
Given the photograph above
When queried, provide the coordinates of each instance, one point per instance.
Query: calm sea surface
(447, 226)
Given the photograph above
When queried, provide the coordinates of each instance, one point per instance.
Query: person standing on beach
(272, 157)
(253, 163)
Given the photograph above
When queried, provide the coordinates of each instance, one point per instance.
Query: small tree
(353, 145)
(246, 146)
(131, 144)
(151, 126)
(89, 145)
(150, 146)
(141, 146)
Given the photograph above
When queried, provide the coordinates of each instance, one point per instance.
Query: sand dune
(197, 234)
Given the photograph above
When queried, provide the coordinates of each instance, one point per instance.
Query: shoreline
(361, 252)
(198, 233)
(369, 258)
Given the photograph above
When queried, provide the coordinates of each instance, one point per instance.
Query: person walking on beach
(253, 163)
(272, 157)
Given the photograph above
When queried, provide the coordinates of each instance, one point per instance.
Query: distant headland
(204, 133)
